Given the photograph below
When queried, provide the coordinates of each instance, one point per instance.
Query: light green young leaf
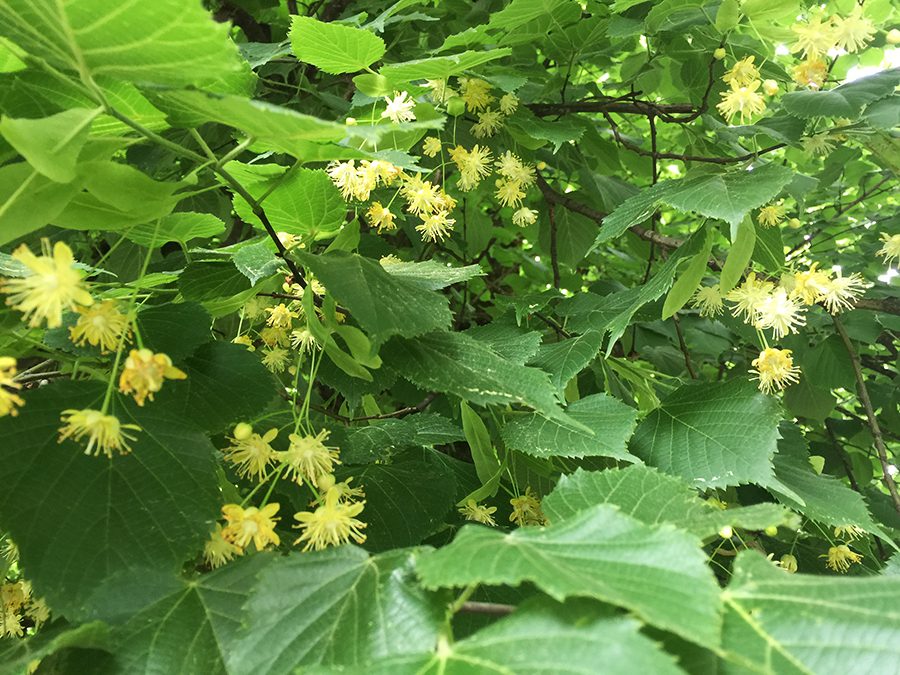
(739, 255)
(169, 42)
(382, 304)
(712, 434)
(332, 607)
(487, 464)
(257, 260)
(438, 67)
(659, 573)
(181, 227)
(332, 47)
(654, 498)
(51, 144)
(29, 201)
(542, 636)
(689, 279)
(430, 274)
(798, 623)
(608, 424)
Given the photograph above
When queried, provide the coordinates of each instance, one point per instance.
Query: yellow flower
(489, 122)
(276, 359)
(217, 550)
(250, 524)
(472, 510)
(819, 144)
(441, 92)
(524, 217)
(420, 195)
(431, 146)
(14, 596)
(810, 285)
(145, 372)
(743, 101)
(252, 455)
(331, 524)
(436, 226)
(779, 313)
(853, 32)
(775, 369)
(770, 87)
(509, 193)
(742, 73)
(245, 340)
(280, 316)
(810, 73)
(475, 92)
(308, 457)
(255, 308)
(377, 172)
(51, 286)
(526, 510)
(840, 558)
(380, 217)
(101, 324)
(789, 563)
(849, 532)
(304, 340)
(748, 295)
(274, 337)
(473, 165)
(511, 167)
(509, 103)
(353, 182)
(400, 108)
(344, 489)
(105, 433)
(842, 292)
(38, 611)
(890, 250)
(770, 215)
(8, 386)
(10, 625)
(814, 37)
(709, 300)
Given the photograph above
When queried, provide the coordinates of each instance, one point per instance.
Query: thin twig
(554, 255)
(402, 412)
(493, 608)
(684, 349)
(887, 478)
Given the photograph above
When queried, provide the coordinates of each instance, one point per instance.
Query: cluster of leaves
(531, 360)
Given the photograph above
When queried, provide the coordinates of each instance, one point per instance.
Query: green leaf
(520, 12)
(438, 67)
(743, 242)
(798, 623)
(712, 434)
(597, 553)
(181, 227)
(332, 47)
(541, 637)
(506, 340)
(15, 655)
(407, 499)
(728, 196)
(306, 203)
(51, 144)
(566, 358)
(185, 625)
(225, 384)
(175, 329)
(847, 100)
(382, 304)
(457, 364)
(430, 274)
(689, 279)
(332, 607)
(219, 286)
(768, 250)
(29, 201)
(184, 46)
(728, 15)
(610, 421)
(257, 260)
(820, 497)
(487, 464)
(654, 498)
(78, 519)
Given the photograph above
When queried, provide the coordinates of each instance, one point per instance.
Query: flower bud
(770, 87)
(795, 223)
(350, 121)
(726, 532)
(893, 36)
(242, 431)
(541, 165)
(325, 482)
(456, 106)
(719, 54)
(771, 531)
(789, 563)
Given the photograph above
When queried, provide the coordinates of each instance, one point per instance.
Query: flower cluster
(333, 522)
(18, 604)
(145, 372)
(9, 399)
(817, 36)
(742, 97)
(526, 510)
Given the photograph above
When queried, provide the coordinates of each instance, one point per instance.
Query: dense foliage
(520, 336)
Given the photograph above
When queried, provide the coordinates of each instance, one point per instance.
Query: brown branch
(887, 478)
(607, 105)
(493, 608)
(402, 412)
(886, 305)
(683, 345)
